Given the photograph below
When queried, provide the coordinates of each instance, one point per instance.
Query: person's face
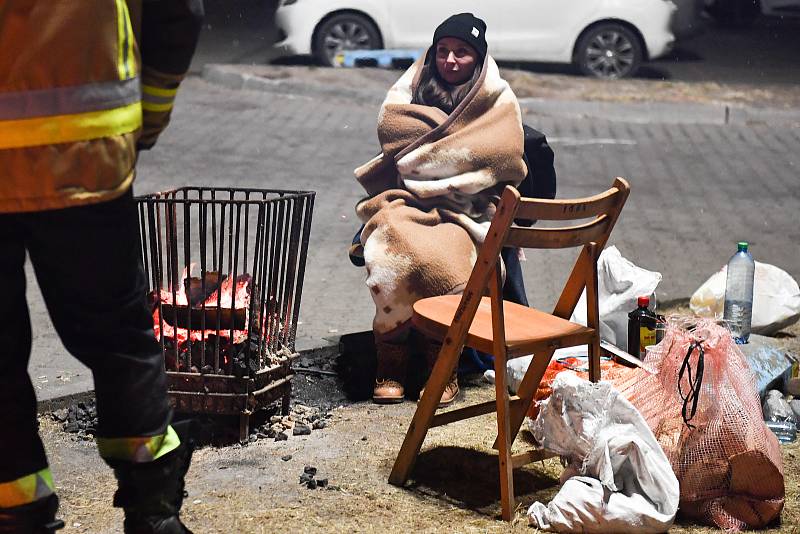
(455, 60)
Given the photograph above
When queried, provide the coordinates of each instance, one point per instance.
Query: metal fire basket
(225, 270)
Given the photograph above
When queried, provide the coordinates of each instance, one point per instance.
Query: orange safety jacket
(75, 99)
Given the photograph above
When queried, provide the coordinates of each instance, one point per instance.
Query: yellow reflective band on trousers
(139, 449)
(56, 129)
(27, 489)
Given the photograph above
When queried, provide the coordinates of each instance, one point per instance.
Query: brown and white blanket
(433, 190)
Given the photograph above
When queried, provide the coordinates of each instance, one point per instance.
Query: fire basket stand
(225, 270)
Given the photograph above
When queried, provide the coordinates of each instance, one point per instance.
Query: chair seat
(527, 328)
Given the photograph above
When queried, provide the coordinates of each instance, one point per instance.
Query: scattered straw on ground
(250, 489)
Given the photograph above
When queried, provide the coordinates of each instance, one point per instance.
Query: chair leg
(593, 313)
(594, 359)
(526, 392)
(426, 407)
(504, 439)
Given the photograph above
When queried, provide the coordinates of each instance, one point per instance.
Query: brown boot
(391, 373)
(432, 349)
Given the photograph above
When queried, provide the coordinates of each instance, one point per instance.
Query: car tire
(734, 13)
(346, 31)
(609, 51)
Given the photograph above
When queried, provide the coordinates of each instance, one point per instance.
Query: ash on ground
(79, 418)
(317, 382)
(316, 390)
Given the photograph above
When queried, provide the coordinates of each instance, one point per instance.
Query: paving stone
(696, 191)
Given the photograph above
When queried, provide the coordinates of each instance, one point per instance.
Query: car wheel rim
(610, 54)
(346, 35)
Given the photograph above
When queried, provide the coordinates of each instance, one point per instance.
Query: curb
(232, 78)
(64, 401)
(327, 348)
(715, 113)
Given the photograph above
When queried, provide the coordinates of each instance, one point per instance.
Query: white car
(604, 38)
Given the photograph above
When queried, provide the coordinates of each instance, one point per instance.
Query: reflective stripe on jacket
(70, 105)
(71, 109)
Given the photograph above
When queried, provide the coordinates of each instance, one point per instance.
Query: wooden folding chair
(508, 330)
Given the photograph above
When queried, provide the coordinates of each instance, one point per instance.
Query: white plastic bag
(517, 367)
(624, 481)
(619, 284)
(776, 298)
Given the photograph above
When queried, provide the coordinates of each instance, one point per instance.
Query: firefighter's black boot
(151, 493)
(38, 517)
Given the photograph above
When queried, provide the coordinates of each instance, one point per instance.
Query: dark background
(243, 31)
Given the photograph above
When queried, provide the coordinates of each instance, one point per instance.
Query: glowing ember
(221, 298)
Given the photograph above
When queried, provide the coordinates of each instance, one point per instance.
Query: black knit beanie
(468, 28)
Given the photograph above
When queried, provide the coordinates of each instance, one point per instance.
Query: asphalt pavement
(697, 189)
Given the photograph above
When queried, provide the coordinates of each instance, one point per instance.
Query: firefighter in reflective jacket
(84, 85)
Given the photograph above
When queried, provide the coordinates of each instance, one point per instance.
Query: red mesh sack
(699, 397)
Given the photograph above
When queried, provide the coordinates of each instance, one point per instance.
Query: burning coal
(194, 311)
(206, 325)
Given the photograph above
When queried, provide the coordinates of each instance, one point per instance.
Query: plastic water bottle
(739, 294)
(785, 431)
(779, 416)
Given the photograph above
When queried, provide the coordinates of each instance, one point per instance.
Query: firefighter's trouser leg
(87, 261)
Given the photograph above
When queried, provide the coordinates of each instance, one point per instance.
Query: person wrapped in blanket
(451, 135)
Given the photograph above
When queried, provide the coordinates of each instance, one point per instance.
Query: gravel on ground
(260, 487)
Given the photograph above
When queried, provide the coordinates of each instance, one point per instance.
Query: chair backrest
(602, 210)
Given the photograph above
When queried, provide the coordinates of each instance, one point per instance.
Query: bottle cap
(643, 301)
(742, 246)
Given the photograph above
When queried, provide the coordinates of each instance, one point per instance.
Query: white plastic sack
(619, 284)
(776, 298)
(624, 481)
